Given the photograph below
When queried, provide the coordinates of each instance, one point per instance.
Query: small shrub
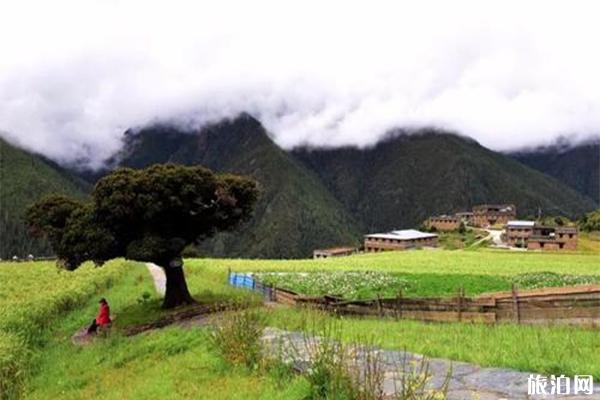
(191, 251)
(414, 377)
(237, 338)
(366, 371)
(328, 375)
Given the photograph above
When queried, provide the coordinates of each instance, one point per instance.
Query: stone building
(443, 222)
(517, 233)
(553, 238)
(486, 215)
(334, 252)
(399, 240)
(532, 236)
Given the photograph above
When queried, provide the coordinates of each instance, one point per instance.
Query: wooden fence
(579, 305)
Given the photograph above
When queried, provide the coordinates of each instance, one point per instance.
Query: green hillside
(24, 178)
(404, 179)
(295, 213)
(576, 166)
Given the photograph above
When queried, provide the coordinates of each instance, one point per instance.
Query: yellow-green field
(481, 262)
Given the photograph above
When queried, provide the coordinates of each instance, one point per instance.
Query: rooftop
(528, 224)
(404, 234)
(444, 216)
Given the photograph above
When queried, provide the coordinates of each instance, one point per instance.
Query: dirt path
(158, 275)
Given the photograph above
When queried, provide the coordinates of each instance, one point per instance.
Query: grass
(445, 262)
(179, 363)
(454, 240)
(172, 363)
(544, 349)
(589, 242)
(31, 297)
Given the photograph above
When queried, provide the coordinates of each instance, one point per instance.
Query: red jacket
(103, 317)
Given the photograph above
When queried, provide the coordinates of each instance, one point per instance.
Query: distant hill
(576, 166)
(402, 180)
(311, 198)
(295, 213)
(24, 178)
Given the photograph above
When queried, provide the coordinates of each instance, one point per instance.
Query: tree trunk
(177, 293)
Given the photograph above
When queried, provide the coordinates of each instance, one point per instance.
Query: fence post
(461, 295)
(399, 304)
(516, 310)
(229, 276)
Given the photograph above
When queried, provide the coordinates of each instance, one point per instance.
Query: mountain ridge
(314, 197)
(577, 166)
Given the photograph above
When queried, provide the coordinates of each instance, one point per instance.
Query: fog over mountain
(74, 75)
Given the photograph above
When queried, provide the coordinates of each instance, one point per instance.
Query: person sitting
(103, 318)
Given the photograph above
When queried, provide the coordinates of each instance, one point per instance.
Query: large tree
(148, 215)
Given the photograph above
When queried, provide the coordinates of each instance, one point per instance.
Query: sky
(74, 75)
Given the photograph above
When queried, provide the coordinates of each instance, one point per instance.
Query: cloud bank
(75, 74)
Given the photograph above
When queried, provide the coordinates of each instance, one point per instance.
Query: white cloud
(75, 74)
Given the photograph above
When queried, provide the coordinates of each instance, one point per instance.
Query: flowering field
(359, 285)
(350, 284)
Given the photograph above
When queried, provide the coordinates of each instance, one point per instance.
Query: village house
(517, 233)
(443, 222)
(486, 215)
(334, 252)
(553, 238)
(540, 237)
(399, 240)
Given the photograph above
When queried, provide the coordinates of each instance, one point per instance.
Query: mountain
(24, 178)
(310, 198)
(576, 166)
(295, 213)
(407, 177)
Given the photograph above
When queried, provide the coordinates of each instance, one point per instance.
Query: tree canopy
(148, 215)
(591, 221)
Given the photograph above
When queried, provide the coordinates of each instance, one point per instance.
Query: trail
(158, 276)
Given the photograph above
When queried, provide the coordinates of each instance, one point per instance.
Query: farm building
(517, 233)
(540, 237)
(492, 214)
(443, 222)
(334, 252)
(553, 238)
(399, 240)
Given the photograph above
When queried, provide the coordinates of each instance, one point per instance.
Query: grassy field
(32, 296)
(171, 363)
(480, 262)
(177, 363)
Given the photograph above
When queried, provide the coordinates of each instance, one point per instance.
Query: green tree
(146, 215)
(590, 222)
